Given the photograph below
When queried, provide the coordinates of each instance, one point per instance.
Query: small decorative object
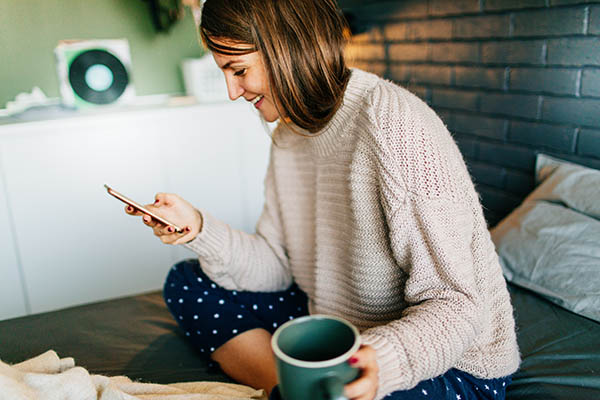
(164, 13)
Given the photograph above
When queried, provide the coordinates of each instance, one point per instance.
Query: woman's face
(246, 77)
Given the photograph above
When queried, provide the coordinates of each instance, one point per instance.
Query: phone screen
(141, 208)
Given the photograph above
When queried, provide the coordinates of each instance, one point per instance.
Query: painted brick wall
(510, 78)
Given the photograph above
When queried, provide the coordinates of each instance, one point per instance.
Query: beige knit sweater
(377, 220)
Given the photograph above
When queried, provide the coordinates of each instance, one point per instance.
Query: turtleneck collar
(327, 140)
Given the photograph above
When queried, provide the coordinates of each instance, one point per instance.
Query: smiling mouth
(256, 99)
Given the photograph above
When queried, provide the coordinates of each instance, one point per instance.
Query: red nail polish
(170, 229)
(188, 229)
(156, 201)
(353, 360)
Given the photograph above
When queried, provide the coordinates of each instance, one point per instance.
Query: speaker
(94, 73)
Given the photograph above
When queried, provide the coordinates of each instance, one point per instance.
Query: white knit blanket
(49, 377)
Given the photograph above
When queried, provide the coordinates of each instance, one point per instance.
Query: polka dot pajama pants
(211, 315)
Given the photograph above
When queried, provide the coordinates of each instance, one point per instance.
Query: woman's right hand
(176, 210)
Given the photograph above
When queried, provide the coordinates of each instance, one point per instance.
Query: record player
(94, 73)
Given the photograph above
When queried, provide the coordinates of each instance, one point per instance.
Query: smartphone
(141, 208)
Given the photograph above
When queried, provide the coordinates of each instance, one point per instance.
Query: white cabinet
(12, 296)
(76, 244)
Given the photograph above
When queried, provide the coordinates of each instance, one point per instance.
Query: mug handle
(333, 387)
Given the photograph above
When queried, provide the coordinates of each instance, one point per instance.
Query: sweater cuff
(209, 243)
(394, 371)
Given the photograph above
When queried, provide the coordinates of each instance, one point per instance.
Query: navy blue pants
(210, 316)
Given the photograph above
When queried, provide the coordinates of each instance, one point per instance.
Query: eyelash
(240, 72)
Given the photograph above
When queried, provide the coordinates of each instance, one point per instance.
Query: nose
(234, 90)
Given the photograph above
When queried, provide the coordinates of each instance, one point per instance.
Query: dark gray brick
(400, 72)
(493, 128)
(550, 22)
(482, 27)
(573, 111)
(455, 52)
(574, 51)
(431, 74)
(594, 26)
(409, 52)
(466, 144)
(589, 143)
(487, 174)
(513, 52)
(497, 202)
(519, 183)
(590, 82)
(565, 2)
(432, 29)
(560, 138)
(421, 92)
(510, 104)
(493, 5)
(386, 10)
(454, 99)
(507, 155)
(556, 81)
(490, 78)
(444, 7)
(447, 118)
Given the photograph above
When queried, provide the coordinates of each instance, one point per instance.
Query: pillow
(550, 244)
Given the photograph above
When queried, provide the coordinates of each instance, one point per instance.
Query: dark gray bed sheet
(137, 337)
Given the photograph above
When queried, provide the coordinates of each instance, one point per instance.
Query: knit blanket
(49, 377)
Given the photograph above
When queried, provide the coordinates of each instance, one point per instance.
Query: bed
(137, 337)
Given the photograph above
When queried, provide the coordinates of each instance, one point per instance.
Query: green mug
(312, 355)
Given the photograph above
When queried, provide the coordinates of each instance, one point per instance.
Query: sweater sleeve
(237, 260)
(428, 202)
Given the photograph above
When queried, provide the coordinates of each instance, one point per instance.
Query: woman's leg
(233, 328)
(455, 385)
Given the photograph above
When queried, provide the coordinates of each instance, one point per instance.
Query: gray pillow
(550, 244)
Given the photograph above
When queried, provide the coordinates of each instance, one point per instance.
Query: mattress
(136, 336)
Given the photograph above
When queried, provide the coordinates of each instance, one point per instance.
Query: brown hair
(301, 43)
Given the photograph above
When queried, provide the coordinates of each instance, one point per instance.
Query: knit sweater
(377, 220)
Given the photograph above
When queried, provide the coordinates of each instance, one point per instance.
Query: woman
(370, 214)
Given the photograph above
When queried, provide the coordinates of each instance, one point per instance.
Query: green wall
(31, 29)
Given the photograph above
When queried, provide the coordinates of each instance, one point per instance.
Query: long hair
(301, 43)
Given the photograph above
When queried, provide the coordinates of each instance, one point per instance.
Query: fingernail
(156, 201)
(170, 229)
(353, 360)
(129, 208)
(146, 219)
(188, 229)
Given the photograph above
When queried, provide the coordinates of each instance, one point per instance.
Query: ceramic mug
(312, 355)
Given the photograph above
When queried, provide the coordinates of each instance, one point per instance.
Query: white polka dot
(255, 307)
(214, 331)
(292, 293)
(168, 300)
(185, 288)
(180, 301)
(172, 285)
(221, 301)
(291, 318)
(235, 331)
(195, 317)
(212, 349)
(180, 317)
(205, 292)
(458, 379)
(234, 293)
(270, 307)
(240, 316)
(202, 350)
(199, 300)
(187, 334)
(274, 324)
(458, 397)
(199, 279)
(212, 285)
(216, 316)
(503, 383)
(299, 308)
(424, 392)
(486, 387)
(198, 333)
(495, 391)
(281, 299)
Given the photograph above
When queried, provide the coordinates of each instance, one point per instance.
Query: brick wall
(510, 78)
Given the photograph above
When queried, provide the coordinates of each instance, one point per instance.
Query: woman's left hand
(365, 386)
